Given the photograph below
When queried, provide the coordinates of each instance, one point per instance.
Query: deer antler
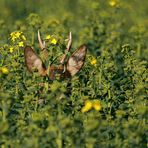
(42, 44)
(69, 41)
(67, 48)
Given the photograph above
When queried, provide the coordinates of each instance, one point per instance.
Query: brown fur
(74, 64)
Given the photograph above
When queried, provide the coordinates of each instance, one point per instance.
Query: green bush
(108, 103)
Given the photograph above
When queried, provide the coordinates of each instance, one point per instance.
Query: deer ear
(33, 61)
(76, 60)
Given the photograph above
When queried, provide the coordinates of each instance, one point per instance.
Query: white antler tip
(70, 35)
(38, 33)
(42, 44)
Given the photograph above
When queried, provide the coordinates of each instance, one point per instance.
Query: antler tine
(67, 48)
(69, 41)
(42, 44)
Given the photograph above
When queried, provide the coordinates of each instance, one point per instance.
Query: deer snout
(58, 73)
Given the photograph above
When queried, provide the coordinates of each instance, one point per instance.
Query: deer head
(66, 68)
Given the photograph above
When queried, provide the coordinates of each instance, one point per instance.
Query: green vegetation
(108, 104)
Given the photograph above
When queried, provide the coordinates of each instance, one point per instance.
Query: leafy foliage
(107, 106)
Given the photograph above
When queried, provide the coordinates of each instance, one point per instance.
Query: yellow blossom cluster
(54, 41)
(21, 44)
(17, 35)
(113, 3)
(93, 62)
(48, 37)
(4, 70)
(94, 104)
(17, 38)
(51, 39)
(11, 49)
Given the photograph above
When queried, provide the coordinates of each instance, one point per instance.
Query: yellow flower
(54, 41)
(86, 107)
(13, 38)
(93, 62)
(97, 105)
(15, 35)
(11, 49)
(112, 3)
(48, 37)
(4, 70)
(21, 44)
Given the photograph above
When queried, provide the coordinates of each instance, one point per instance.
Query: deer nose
(54, 73)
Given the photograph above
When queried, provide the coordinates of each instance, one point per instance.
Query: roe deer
(67, 68)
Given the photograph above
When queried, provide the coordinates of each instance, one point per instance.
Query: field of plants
(107, 106)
